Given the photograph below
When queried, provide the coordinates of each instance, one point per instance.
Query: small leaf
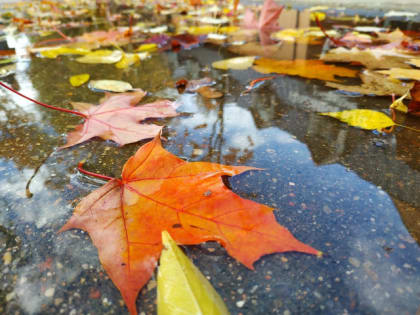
(79, 79)
(363, 118)
(110, 85)
(147, 47)
(102, 56)
(127, 60)
(182, 288)
(238, 63)
(399, 105)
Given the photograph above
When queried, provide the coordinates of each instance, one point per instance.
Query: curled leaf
(399, 105)
(182, 288)
(363, 118)
(127, 60)
(238, 63)
(79, 79)
(110, 86)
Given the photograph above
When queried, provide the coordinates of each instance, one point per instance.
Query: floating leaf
(110, 86)
(79, 79)
(374, 84)
(158, 191)
(147, 47)
(398, 73)
(311, 69)
(182, 288)
(238, 63)
(399, 105)
(128, 60)
(117, 119)
(54, 52)
(363, 118)
(102, 56)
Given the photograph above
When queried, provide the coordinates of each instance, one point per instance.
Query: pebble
(10, 296)
(287, 312)
(240, 303)
(49, 292)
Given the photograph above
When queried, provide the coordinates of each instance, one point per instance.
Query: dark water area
(351, 193)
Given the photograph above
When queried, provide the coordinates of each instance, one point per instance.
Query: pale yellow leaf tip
(182, 288)
(79, 79)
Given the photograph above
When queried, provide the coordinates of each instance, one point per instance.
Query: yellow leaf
(398, 73)
(202, 30)
(320, 15)
(399, 105)
(110, 85)
(415, 62)
(127, 60)
(311, 69)
(363, 118)
(238, 63)
(182, 288)
(78, 80)
(147, 47)
(54, 52)
(102, 56)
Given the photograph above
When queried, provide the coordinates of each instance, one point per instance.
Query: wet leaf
(398, 73)
(363, 118)
(6, 70)
(370, 58)
(110, 86)
(101, 56)
(399, 105)
(374, 83)
(79, 79)
(54, 52)
(182, 288)
(128, 60)
(118, 120)
(414, 105)
(159, 191)
(311, 69)
(147, 47)
(209, 92)
(237, 63)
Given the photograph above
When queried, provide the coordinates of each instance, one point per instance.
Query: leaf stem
(82, 170)
(43, 104)
(335, 41)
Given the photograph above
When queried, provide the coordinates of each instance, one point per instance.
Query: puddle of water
(351, 193)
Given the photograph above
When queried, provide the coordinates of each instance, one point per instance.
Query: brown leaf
(209, 92)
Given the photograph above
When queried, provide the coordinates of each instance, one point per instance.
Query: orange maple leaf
(158, 191)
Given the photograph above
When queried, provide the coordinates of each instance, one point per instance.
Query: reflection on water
(335, 187)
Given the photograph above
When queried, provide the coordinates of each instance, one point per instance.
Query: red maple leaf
(117, 119)
(158, 191)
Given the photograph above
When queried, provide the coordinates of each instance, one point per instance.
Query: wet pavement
(351, 193)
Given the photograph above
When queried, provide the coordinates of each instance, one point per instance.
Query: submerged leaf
(79, 79)
(363, 118)
(101, 56)
(311, 69)
(128, 60)
(110, 86)
(238, 63)
(182, 288)
(147, 47)
(209, 92)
